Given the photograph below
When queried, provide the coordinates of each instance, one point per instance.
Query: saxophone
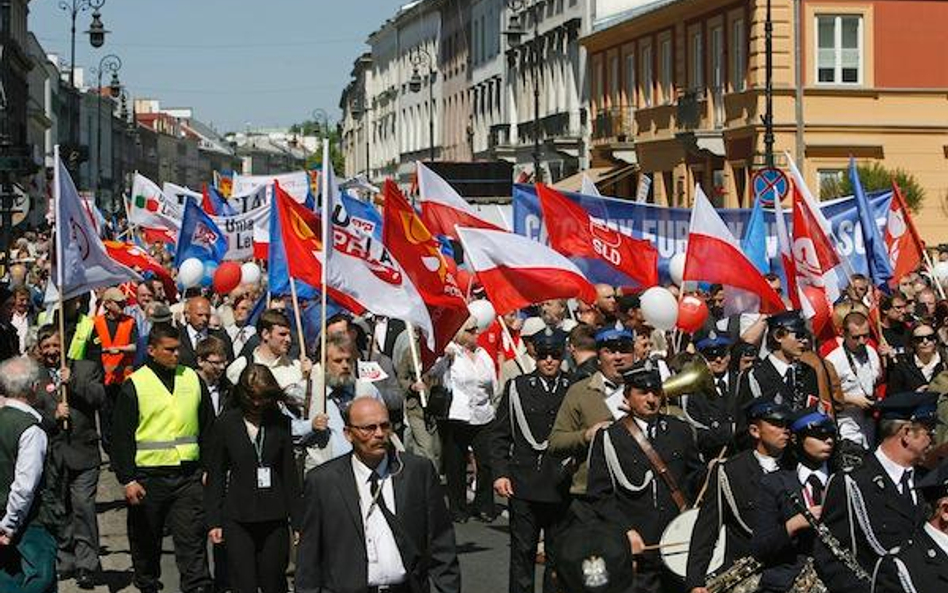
(742, 577)
(829, 540)
(808, 581)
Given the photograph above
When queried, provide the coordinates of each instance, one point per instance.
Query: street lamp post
(768, 116)
(514, 32)
(110, 63)
(360, 109)
(96, 30)
(322, 121)
(420, 57)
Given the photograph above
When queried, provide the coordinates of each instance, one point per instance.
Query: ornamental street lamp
(420, 57)
(110, 63)
(360, 110)
(96, 31)
(514, 33)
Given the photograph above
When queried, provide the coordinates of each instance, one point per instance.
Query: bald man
(398, 537)
(197, 317)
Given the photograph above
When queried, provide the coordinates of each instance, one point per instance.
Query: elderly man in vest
(114, 344)
(27, 545)
(161, 416)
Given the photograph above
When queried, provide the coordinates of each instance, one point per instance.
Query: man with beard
(860, 369)
(593, 403)
(78, 449)
(327, 439)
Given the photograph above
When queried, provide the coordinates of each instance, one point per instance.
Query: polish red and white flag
(443, 209)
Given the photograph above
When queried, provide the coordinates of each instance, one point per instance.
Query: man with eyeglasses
(875, 507)
(859, 368)
(781, 373)
(593, 403)
(374, 519)
(894, 329)
(532, 481)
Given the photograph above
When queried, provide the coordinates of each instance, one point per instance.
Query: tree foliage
(874, 177)
(316, 128)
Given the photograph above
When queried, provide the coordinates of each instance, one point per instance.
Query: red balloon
(692, 313)
(227, 277)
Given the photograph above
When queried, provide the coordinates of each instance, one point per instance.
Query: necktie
(722, 388)
(788, 378)
(816, 489)
(379, 497)
(906, 485)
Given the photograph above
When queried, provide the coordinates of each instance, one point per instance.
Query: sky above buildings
(237, 63)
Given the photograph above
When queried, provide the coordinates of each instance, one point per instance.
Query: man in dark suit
(733, 493)
(876, 504)
(921, 564)
(533, 482)
(197, 314)
(77, 450)
(782, 374)
(712, 411)
(375, 520)
(783, 538)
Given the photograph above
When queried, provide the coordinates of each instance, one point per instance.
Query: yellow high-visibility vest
(84, 328)
(168, 426)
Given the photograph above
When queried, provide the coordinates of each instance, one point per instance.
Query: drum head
(677, 538)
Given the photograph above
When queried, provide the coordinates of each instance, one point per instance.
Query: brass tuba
(694, 378)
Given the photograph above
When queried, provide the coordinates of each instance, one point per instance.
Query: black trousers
(527, 519)
(178, 502)
(651, 576)
(457, 437)
(105, 416)
(257, 555)
(79, 536)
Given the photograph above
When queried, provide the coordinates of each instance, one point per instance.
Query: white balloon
(483, 312)
(660, 308)
(191, 272)
(676, 268)
(941, 270)
(250, 273)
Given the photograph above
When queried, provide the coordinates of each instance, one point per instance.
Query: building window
(839, 49)
(598, 90)
(647, 76)
(630, 79)
(738, 56)
(614, 81)
(697, 61)
(476, 38)
(665, 74)
(717, 58)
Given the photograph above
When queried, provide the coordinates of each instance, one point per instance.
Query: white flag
(589, 188)
(150, 207)
(82, 262)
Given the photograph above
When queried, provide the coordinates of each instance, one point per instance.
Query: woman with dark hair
(252, 484)
(916, 368)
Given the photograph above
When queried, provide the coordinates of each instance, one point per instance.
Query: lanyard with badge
(263, 472)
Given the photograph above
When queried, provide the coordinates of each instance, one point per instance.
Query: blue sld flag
(877, 256)
(199, 236)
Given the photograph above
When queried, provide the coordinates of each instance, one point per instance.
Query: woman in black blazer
(252, 484)
(916, 368)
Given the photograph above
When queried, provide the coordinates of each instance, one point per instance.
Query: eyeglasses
(370, 429)
(820, 434)
(470, 330)
(925, 338)
(715, 353)
(860, 337)
(619, 347)
(545, 354)
(215, 361)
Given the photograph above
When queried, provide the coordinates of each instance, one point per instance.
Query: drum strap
(615, 468)
(656, 462)
(516, 412)
(729, 497)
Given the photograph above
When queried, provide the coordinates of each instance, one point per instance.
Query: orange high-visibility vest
(115, 367)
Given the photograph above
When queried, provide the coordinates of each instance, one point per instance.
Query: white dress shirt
(928, 370)
(767, 463)
(895, 471)
(615, 397)
(239, 336)
(804, 473)
(27, 473)
(385, 561)
(780, 366)
(856, 378)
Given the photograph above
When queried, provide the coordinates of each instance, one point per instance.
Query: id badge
(263, 477)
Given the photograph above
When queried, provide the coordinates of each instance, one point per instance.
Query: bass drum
(677, 538)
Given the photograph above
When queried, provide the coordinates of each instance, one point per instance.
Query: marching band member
(873, 508)
(712, 411)
(733, 492)
(783, 539)
(921, 564)
(644, 468)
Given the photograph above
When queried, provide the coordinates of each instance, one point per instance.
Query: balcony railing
(617, 123)
(691, 109)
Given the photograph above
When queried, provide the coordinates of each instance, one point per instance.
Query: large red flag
(574, 234)
(419, 254)
(442, 208)
(904, 245)
(135, 257)
(815, 260)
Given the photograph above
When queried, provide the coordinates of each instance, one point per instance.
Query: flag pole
(416, 361)
(327, 247)
(57, 196)
(298, 318)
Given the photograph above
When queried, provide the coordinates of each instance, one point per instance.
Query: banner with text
(296, 184)
(241, 229)
(667, 228)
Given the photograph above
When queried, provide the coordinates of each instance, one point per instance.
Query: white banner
(240, 231)
(252, 200)
(180, 193)
(296, 184)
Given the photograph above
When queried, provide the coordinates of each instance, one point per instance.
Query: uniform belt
(400, 588)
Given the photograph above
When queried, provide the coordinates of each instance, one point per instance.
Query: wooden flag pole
(327, 247)
(298, 318)
(518, 357)
(58, 242)
(416, 361)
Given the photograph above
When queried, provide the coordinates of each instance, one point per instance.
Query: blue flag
(877, 256)
(754, 242)
(364, 216)
(199, 236)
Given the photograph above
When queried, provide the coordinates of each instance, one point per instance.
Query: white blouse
(472, 382)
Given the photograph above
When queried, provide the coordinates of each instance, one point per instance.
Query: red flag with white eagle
(419, 253)
(715, 256)
(516, 271)
(902, 242)
(442, 208)
(577, 236)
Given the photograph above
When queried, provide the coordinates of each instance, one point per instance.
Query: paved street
(482, 550)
